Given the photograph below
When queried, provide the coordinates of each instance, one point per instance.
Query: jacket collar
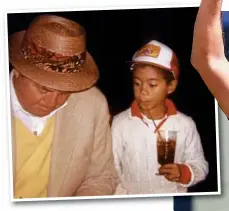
(135, 110)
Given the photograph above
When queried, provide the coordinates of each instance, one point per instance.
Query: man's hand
(171, 171)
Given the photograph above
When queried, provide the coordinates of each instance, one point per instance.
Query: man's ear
(16, 74)
(172, 86)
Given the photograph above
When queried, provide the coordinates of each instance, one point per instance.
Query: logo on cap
(149, 50)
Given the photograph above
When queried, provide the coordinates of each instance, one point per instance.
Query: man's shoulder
(91, 96)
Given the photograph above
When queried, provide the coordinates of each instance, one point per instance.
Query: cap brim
(149, 63)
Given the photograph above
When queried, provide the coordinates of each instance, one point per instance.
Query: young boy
(155, 72)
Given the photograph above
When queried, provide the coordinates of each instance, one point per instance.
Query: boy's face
(150, 87)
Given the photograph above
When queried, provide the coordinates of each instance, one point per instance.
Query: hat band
(52, 61)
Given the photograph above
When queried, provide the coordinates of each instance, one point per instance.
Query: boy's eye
(136, 83)
(152, 85)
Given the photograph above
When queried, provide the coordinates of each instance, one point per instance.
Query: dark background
(113, 36)
(225, 22)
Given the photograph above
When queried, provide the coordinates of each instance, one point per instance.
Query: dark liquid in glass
(166, 151)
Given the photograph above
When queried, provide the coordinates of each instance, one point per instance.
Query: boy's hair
(167, 75)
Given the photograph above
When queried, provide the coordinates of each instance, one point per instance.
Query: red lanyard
(135, 111)
(157, 127)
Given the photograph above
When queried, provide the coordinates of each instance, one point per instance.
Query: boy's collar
(135, 111)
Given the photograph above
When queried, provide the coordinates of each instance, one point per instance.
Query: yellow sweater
(33, 160)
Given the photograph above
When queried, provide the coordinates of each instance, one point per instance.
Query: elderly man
(61, 137)
(208, 55)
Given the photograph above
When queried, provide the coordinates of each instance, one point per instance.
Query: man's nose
(52, 99)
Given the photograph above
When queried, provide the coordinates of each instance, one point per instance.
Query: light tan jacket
(82, 160)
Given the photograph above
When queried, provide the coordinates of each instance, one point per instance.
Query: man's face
(36, 99)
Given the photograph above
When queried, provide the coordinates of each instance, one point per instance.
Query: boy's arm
(194, 159)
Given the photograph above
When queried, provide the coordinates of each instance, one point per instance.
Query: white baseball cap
(157, 54)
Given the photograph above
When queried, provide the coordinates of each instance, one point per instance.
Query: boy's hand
(171, 171)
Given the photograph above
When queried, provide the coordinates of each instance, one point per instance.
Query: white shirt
(33, 123)
(135, 153)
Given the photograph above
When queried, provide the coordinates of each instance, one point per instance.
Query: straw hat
(157, 54)
(52, 52)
